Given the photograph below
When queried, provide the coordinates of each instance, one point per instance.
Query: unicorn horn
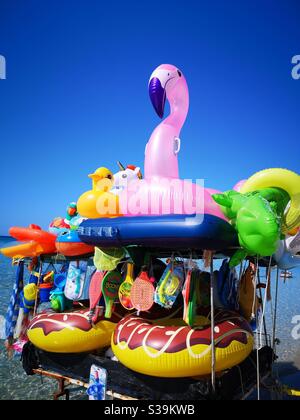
(122, 168)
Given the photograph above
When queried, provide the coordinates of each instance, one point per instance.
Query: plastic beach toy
(125, 289)
(110, 289)
(45, 289)
(162, 191)
(142, 292)
(170, 285)
(108, 259)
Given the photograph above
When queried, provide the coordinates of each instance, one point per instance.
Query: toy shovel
(110, 288)
(95, 293)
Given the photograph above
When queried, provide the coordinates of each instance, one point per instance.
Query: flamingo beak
(158, 96)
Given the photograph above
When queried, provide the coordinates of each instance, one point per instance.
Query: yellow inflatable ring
(181, 351)
(69, 332)
(279, 178)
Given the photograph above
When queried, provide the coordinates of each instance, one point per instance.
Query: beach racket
(142, 292)
(191, 296)
(125, 289)
(95, 293)
(186, 294)
(110, 289)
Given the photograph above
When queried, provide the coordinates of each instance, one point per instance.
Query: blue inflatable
(168, 231)
(70, 245)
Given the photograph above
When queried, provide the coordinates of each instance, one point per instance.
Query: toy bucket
(45, 289)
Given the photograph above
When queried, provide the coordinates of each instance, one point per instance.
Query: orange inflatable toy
(37, 242)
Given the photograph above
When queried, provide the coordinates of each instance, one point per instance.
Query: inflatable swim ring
(181, 351)
(70, 245)
(279, 178)
(70, 332)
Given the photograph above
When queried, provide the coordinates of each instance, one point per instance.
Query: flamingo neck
(160, 159)
(179, 106)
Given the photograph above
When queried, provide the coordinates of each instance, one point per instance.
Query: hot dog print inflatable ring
(181, 351)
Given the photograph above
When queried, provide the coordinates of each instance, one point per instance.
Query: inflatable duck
(99, 202)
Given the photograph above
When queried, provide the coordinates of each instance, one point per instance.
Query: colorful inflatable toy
(70, 245)
(257, 218)
(284, 179)
(142, 222)
(70, 332)
(288, 254)
(99, 201)
(41, 243)
(181, 351)
(60, 225)
(124, 177)
(170, 231)
(37, 242)
(162, 191)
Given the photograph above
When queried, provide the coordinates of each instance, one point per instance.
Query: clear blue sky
(76, 94)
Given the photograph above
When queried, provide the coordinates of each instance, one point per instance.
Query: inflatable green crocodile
(257, 217)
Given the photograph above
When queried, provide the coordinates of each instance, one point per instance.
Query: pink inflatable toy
(239, 185)
(162, 191)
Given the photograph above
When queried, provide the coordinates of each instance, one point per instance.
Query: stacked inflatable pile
(114, 289)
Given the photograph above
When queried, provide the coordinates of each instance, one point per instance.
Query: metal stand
(62, 391)
(212, 315)
(275, 314)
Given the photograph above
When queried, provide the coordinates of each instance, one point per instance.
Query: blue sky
(76, 95)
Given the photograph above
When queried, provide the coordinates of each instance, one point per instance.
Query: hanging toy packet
(75, 280)
(97, 383)
(169, 285)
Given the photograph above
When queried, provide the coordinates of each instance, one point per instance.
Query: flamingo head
(162, 85)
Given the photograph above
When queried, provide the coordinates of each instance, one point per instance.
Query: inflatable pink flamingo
(162, 191)
(161, 157)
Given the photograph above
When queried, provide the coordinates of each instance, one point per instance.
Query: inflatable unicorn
(124, 177)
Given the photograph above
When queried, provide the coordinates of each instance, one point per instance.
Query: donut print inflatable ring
(181, 351)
